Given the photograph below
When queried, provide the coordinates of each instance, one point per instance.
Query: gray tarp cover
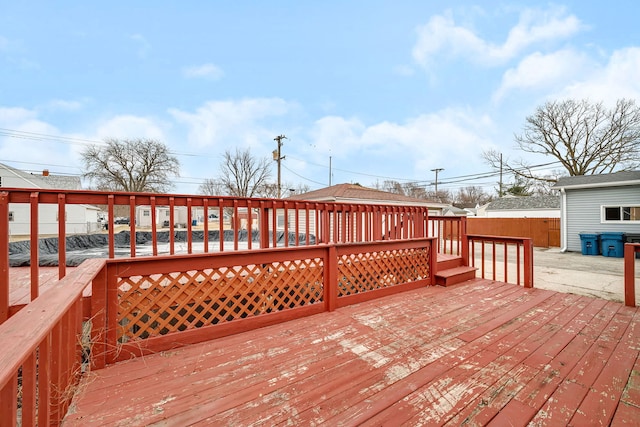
(81, 247)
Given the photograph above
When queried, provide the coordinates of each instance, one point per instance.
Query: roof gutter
(563, 220)
(597, 185)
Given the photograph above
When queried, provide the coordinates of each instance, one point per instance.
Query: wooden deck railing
(506, 259)
(630, 252)
(150, 305)
(448, 231)
(43, 352)
(262, 223)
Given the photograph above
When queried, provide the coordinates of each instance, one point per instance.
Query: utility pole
(436, 171)
(277, 156)
(329, 171)
(500, 189)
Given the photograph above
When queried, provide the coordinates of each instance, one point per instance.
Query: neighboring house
(598, 203)
(522, 207)
(354, 194)
(143, 216)
(357, 194)
(451, 210)
(79, 218)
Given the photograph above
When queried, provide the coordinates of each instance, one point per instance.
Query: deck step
(451, 276)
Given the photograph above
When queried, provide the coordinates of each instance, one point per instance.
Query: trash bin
(194, 222)
(612, 244)
(590, 243)
(634, 238)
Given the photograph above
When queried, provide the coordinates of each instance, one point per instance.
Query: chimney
(45, 172)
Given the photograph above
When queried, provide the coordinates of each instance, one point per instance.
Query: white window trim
(603, 219)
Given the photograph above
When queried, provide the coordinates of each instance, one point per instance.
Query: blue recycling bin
(612, 244)
(590, 243)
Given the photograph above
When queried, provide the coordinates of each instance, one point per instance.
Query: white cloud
(25, 129)
(209, 71)
(431, 140)
(539, 71)
(441, 35)
(618, 78)
(233, 123)
(15, 116)
(337, 135)
(129, 126)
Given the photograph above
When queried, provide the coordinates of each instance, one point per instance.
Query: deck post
(463, 241)
(99, 343)
(4, 260)
(62, 236)
(263, 226)
(111, 226)
(629, 275)
(331, 278)
(33, 243)
(528, 263)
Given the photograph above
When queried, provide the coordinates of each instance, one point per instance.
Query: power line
(35, 136)
(300, 176)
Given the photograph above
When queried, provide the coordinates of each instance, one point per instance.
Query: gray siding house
(596, 204)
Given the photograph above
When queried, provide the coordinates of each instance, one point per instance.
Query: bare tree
(410, 189)
(211, 187)
(243, 175)
(585, 138)
(471, 196)
(441, 196)
(133, 165)
(392, 186)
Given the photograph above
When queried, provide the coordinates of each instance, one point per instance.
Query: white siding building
(79, 218)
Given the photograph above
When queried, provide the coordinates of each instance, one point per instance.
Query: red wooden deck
(477, 353)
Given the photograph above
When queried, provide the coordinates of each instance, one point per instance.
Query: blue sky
(386, 89)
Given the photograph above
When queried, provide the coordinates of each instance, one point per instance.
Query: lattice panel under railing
(374, 270)
(158, 304)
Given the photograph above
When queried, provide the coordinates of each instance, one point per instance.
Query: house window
(280, 221)
(10, 216)
(146, 213)
(620, 213)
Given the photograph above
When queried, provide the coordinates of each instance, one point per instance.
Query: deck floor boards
(477, 353)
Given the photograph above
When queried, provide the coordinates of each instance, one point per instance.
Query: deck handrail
(277, 222)
(149, 305)
(449, 232)
(523, 247)
(42, 351)
(630, 251)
